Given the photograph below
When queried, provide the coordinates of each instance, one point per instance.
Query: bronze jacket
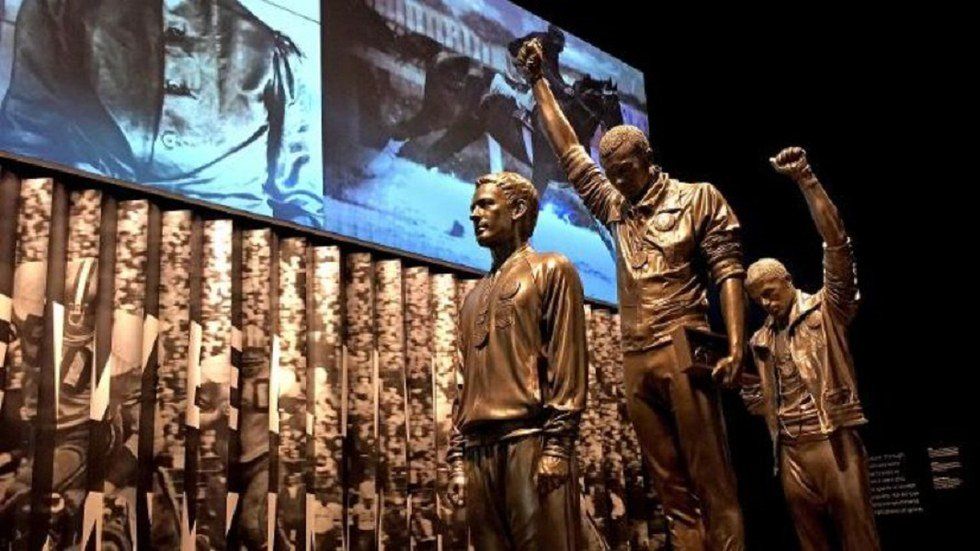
(658, 241)
(818, 344)
(522, 355)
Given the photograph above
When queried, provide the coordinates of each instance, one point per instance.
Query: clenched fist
(792, 162)
(552, 472)
(530, 60)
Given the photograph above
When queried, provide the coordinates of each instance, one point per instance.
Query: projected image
(221, 100)
(214, 99)
(423, 97)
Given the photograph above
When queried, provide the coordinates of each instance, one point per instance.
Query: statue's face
(493, 217)
(775, 295)
(628, 172)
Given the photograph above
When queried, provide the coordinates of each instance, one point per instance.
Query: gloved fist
(530, 60)
(792, 162)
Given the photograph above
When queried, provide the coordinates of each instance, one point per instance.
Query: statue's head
(504, 208)
(627, 158)
(770, 285)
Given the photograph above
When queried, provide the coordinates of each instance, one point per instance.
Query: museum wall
(175, 378)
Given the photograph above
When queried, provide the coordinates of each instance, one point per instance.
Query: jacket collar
(803, 305)
(519, 252)
(660, 191)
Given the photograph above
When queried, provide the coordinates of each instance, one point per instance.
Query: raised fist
(530, 60)
(792, 162)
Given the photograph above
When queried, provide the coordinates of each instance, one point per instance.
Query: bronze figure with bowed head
(807, 390)
(662, 227)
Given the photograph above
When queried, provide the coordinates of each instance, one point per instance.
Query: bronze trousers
(826, 486)
(679, 424)
(504, 510)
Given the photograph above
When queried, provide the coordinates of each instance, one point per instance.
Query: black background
(880, 101)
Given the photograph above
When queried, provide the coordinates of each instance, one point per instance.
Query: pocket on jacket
(837, 396)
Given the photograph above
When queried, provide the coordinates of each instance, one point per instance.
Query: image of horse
(459, 101)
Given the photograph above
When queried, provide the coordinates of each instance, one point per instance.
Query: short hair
(624, 136)
(516, 188)
(765, 269)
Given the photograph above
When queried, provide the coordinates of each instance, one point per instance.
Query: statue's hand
(792, 162)
(728, 371)
(530, 60)
(552, 472)
(457, 488)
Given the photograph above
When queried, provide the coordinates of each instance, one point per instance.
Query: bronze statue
(523, 372)
(808, 393)
(661, 226)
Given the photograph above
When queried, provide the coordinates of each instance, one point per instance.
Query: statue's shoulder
(696, 192)
(692, 189)
(553, 268)
(550, 260)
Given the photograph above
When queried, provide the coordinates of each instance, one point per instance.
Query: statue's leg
(485, 507)
(647, 382)
(701, 432)
(803, 495)
(849, 493)
(538, 521)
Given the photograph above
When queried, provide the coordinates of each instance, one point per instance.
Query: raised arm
(559, 130)
(598, 194)
(840, 281)
(792, 162)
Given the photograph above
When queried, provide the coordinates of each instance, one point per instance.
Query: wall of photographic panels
(176, 379)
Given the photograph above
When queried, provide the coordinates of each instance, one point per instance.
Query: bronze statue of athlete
(808, 393)
(523, 372)
(662, 227)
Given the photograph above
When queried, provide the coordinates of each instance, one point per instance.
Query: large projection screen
(373, 125)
